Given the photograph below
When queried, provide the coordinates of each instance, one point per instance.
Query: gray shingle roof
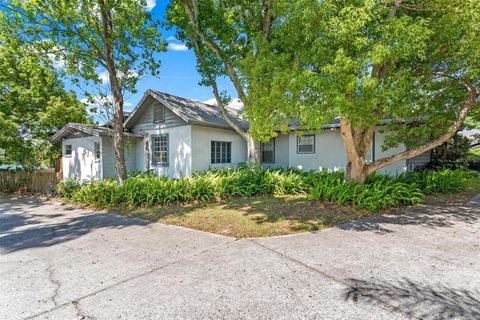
(192, 111)
(87, 129)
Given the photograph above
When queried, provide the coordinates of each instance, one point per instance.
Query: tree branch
(267, 18)
(469, 103)
(216, 93)
(348, 139)
(218, 52)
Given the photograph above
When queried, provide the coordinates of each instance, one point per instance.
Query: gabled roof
(109, 124)
(190, 111)
(87, 129)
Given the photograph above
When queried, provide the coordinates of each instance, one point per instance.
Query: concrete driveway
(57, 262)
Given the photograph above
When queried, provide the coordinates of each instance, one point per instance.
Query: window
(158, 114)
(221, 152)
(160, 150)
(96, 151)
(68, 150)
(267, 151)
(306, 144)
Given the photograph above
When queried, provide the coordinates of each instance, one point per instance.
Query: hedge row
(380, 191)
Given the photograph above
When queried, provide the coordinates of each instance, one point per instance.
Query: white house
(176, 136)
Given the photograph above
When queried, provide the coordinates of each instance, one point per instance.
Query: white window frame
(160, 151)
(65, 150)
(299, 143)
(220, 152)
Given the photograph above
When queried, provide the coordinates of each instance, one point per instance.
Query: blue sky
(178, 74)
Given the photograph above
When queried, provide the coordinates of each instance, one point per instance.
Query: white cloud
(177, 46)
(234, 104)
(103, 101)
(151, 4)
(172, 38)
(58, 62)
(103, 75)
(211, 101)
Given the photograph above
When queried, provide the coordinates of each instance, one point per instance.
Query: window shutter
(158, 113)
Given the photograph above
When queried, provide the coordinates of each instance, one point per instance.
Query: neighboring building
(473, 136)
(175, 137)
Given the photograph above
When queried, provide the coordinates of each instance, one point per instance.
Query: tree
(118, 36)
(33, 106)
(411, 66)
(222, 33)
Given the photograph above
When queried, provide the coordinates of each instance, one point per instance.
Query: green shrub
(378, 192)
(67, 187)
(99, 194)
(442, 181)
(285, 182)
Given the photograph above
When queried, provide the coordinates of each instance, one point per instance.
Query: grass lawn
(265, 216)
(260, 216)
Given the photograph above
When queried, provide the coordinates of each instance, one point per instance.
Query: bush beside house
(379, 192)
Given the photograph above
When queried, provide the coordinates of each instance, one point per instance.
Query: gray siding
(281, 153)
(145, 120)
(108, 157)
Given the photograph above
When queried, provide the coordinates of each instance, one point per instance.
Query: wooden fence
(42, 182)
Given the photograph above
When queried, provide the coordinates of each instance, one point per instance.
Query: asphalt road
(57, 262)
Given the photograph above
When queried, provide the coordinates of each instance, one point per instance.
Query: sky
(178, 74)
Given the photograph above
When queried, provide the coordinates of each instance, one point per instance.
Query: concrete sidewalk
(63, 263)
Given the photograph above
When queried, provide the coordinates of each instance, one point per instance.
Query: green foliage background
(33, 106)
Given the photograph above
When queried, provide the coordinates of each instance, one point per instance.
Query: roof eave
(56, 138)
(134, 112)
(215, 125)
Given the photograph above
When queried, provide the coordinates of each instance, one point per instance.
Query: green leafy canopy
(33, 106)
(406, 61)
(72, 32)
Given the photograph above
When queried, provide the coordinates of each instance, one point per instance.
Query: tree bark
(253, 150)
(118, 137)
(357, 142)
(357, 172)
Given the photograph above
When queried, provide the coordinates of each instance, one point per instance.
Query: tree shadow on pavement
(428, 216)
(417, 300)
(44, 235)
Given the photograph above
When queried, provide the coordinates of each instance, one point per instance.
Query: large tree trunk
(253, 151)
(357, 172)
(357, 142)
(118, 137)
(118, 141)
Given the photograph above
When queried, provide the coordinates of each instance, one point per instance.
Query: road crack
(79, 312)
(57, 284)
(129, 279)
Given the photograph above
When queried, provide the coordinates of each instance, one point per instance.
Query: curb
(475, 201)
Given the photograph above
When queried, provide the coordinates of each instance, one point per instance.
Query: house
(176, 137)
